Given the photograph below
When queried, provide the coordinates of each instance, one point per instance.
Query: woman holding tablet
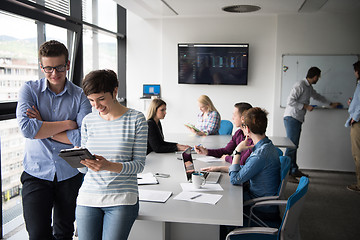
(156, 143)
(208, 119)
(107, 204)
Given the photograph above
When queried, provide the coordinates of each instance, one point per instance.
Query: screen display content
(213, 64)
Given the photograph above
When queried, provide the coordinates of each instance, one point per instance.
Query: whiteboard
(337, 82)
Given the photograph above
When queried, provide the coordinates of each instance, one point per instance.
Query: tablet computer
(73, 156)
(192, 126)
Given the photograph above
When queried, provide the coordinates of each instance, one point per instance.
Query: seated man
(225, 153)
(262, 168)
(260, 176)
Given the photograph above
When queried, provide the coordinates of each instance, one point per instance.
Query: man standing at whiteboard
(353, 122)
(296, 108)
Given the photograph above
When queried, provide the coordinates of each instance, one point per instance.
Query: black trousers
(41, 198)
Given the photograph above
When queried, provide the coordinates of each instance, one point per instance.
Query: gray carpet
(330, 211)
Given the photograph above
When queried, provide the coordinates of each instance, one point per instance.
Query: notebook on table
(211, 177)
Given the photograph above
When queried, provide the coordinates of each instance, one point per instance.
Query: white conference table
(175, 219)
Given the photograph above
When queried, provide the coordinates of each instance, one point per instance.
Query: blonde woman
(156, 143)
(208, 122)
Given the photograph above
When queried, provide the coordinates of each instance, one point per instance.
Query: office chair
(285, 163)
(226, 127)
(289, 228)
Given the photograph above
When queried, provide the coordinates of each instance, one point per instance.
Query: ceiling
(213, 8)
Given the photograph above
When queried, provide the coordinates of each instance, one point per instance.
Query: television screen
(213, 63)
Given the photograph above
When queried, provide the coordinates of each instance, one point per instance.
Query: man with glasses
(298, 103)
(49, 113)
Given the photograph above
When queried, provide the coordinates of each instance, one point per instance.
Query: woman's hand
(100, 164)
(200, 133)
(181, 147)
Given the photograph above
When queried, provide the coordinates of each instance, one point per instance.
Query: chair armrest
(253, 230)
(260, 199)
(270, 203)
(261, 204)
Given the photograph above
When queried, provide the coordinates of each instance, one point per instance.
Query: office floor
(331, 212)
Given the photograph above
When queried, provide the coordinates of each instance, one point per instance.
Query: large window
(100, 51)
(27, 24)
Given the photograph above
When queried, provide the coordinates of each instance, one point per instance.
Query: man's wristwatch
(236, 152)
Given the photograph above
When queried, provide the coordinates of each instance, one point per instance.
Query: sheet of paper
(207, 187)
(146, 178)
(198, 197)
(154, 195)
(209, 159)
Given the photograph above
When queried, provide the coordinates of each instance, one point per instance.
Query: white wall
(158, 64)
(152, 58)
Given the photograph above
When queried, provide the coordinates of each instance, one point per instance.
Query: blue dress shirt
(41, 158)
(354, 108)
(261, 169)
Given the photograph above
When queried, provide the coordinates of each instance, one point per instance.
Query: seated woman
(226, 152)
(156, 143)
(208, 119)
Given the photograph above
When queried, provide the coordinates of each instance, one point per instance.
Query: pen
(196, 146)
(196, 196)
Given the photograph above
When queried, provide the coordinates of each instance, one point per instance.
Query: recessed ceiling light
(241, 8)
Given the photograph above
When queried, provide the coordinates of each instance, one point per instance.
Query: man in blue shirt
(260, 175)
(353, 122)
(262, 168)
(49, 113)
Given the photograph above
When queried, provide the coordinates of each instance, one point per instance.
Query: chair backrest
(289, 228)
(279, 151)
(226, 127)
(285, 163)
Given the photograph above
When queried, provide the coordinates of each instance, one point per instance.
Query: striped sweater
(121, 140)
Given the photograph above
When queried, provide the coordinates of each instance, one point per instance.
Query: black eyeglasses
(60, 68)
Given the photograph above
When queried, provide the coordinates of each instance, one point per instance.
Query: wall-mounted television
(213, 63)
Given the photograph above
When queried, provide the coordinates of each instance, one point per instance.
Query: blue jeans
(107, 223)
(293, 130)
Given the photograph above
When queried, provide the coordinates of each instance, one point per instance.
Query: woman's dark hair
(242, 107)
(313, 71)
(53, 48)
(256, 120)
(100, 81)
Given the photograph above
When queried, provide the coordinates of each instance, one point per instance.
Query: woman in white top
(107, 204)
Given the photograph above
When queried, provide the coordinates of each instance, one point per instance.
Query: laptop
(150, 90)
(211, 177)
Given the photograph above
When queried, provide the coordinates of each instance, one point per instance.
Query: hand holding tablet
(73, 156)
